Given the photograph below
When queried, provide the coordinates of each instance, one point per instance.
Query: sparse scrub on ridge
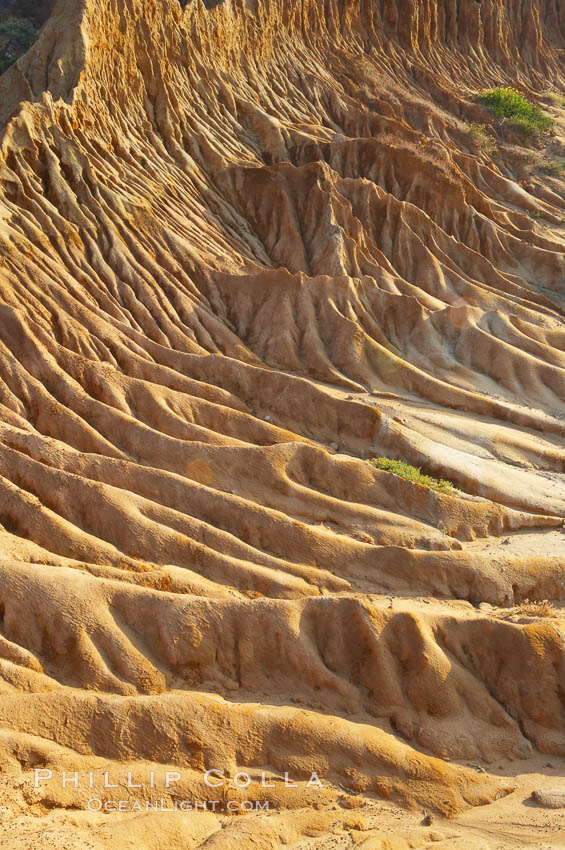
(552, 167)
(545, 608)
(482, 138)
(413, 474)
(524, 116)
(435, 155)
(537, 609)
(554, 98)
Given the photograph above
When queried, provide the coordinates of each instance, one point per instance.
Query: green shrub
(36, 10)
(16, 36)
(526, 117)
(20, 32)
(482, 138)
(5, 61)
(412, 473)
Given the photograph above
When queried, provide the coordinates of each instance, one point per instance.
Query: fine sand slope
(242, 250)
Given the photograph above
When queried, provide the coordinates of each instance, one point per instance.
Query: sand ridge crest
(243, 250)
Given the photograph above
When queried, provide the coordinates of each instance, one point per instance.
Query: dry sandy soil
(243, 250)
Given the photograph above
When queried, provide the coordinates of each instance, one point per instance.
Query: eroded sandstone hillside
(244, 250)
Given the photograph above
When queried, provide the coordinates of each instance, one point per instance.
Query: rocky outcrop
(244, 249)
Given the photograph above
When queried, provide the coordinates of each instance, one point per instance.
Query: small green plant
(554, 97)
(412, 473)
(552, 167)
(535, 214)
(524, 116)
(483, 139)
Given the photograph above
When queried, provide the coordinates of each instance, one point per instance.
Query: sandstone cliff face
(243, 250)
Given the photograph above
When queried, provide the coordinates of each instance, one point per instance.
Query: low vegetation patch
(16, 36)
(524, 116)
(413, 474)
(537, 609)
(545, 608)
(555, 98)
(552, 167)
(483, 139)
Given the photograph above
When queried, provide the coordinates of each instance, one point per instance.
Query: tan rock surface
(243, 250)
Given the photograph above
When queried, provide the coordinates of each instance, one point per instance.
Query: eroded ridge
(244, 250)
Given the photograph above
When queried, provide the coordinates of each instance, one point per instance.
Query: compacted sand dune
(244, 250)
